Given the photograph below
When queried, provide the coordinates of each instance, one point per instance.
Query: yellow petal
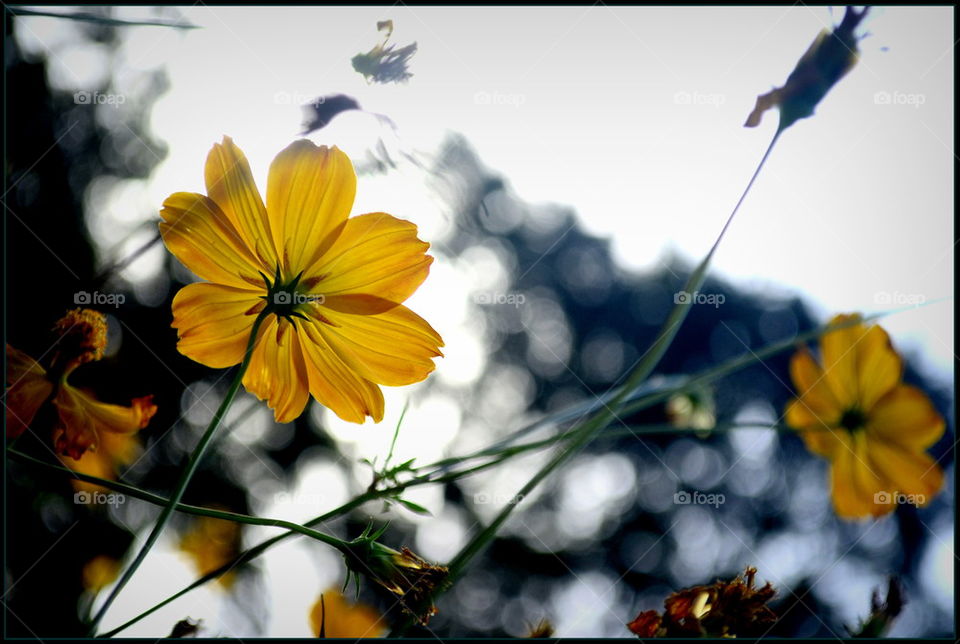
(203, 238)
(910, 473)
(310, 191)
(854, 483)
(27, 388)
(823, 440)
(213, 322)
(817, 404)
(335, 385)
(906, 417)
(230, 184)
(114, 450)
(879, 368)
(376, 255)
(393, 348)
(342, 619)
(839, 349)
(277, 373)
(85, 421)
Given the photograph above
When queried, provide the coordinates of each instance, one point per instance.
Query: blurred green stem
(501, 455)
(597, 422)
(187, 473)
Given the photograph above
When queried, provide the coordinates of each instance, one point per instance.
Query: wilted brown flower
(724, 609)
(826, 61)
(541, 630)
(401, 572)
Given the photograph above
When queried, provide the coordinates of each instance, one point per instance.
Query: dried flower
(402, 572)
(826, 61)
(724, 609)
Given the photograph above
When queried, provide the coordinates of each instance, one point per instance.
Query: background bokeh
(569, 167)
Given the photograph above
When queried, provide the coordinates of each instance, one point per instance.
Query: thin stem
(701, 378)
(196, 510)
(186, 475)
(597, 422)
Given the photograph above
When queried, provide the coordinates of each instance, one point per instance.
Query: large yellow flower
(90, 436)
(335, 285)
(212, 543)
(855, 412)
(340, 618)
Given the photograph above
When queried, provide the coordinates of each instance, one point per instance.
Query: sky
(632, 116)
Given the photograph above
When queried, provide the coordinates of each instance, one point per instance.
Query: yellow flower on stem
(211, 543)
(334, 284)
(874, 429)
(100, 572)
(334, 616)
(90, 437)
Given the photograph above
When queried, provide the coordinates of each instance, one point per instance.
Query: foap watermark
(98, 498)
(296, 98)
(484, 498)
(898, 299)
(299, 498)
(899, 98)
(498, 98)
(287, 297)
(698, 98)
(695, 497)
(511, 299)
(684, 297)
(898, 498)
(85, 298)
(84, 97)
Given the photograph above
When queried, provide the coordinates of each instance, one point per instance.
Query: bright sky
(632, 116)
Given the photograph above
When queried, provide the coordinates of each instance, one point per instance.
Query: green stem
(597, 422)
(187, 474)
(504, 454)
(196, 510)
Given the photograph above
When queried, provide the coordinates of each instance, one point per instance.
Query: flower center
(288, 299)
(853, 419)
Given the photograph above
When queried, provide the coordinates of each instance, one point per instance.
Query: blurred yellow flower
(335, 284)
(99, 573)
(340, 618)
(211, 543)
(90, 436)
(855, 412)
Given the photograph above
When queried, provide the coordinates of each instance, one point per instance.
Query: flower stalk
(185, 477)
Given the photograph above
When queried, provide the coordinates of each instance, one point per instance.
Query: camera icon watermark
(899, 98)
(896, 298)
(296, 98)
(698, 98)
(898, 498)
(497, 98)
(484, 498)
(85, 298)
(294, 298)
(714, 299)
(84, 97)
(299, 498)
(98, 498)
(512, 299)
(695, 497)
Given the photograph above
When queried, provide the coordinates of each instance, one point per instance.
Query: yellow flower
(855, 412)
(91, 437)
(211, 543)
(99, 573)
(340, 618)
(335, 285)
